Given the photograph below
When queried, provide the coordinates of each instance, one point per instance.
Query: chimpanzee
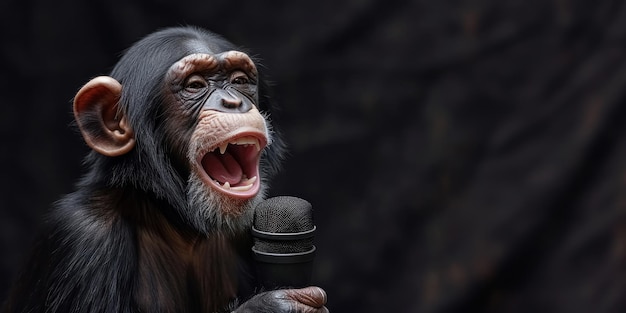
(182, 149)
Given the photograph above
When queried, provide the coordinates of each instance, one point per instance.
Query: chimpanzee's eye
(195, 83)
(239, 78)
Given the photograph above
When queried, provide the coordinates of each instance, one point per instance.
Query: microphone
(283, 248)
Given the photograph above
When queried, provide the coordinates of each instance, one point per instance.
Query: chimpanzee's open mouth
(232, 166)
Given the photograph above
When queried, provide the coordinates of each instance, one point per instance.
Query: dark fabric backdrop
(460, 156)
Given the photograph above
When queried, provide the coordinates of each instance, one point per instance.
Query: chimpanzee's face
(217, 94)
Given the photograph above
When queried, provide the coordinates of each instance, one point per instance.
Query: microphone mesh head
(283, 214)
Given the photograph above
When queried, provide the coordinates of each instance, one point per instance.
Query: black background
(460, 155)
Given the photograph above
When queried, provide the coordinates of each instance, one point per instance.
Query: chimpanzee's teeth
(249, 181)
(247, 141)
(246, 184)
(241, 188)
(223, 147)
(244, 141)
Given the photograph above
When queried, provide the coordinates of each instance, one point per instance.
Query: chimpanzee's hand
(305, 300)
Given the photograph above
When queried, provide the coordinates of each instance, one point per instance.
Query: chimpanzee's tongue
(222, 167)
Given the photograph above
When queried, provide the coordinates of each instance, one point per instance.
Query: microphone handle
(284, 270)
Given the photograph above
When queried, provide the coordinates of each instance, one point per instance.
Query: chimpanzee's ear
(105, 129)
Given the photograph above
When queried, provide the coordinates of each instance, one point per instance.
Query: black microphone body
(283, 248)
